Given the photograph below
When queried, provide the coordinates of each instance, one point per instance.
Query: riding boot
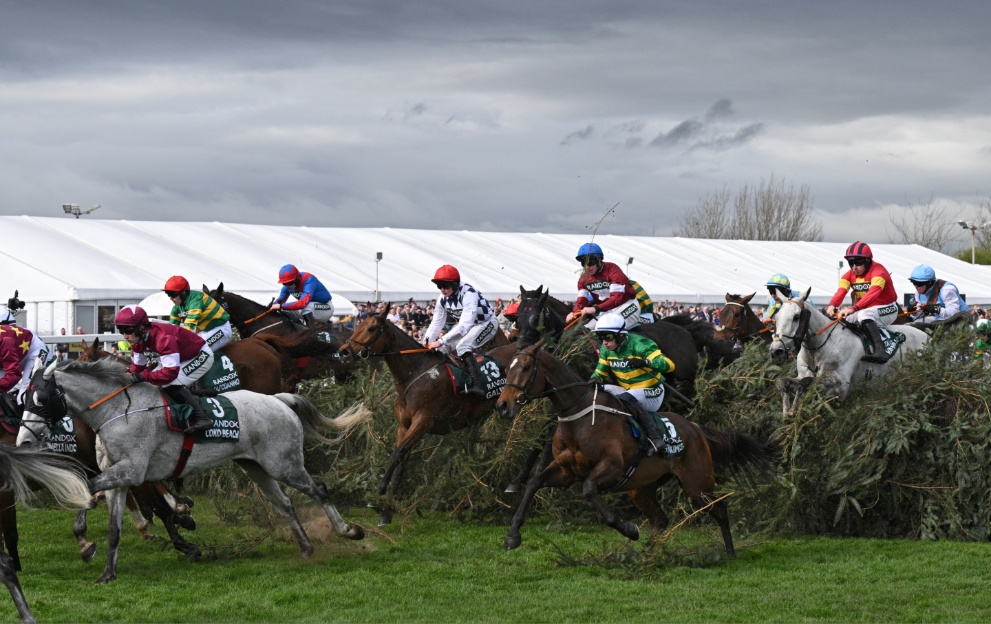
(308, 320)
(875, 350)
(657, 442)
(198, 420)
(475, 373)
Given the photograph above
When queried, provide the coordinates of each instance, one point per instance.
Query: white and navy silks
(474, 322)
(948, 299)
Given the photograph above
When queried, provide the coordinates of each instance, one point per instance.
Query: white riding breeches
(218, 337)
(477, 337)
(630, 311)
(650, 398)
(321, 311)
(883, 315)
(194, 369)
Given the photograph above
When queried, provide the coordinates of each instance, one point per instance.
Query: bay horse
(254, 319)
(269, 448)
(425, 398)
(593, 445)
(23, 470)
(738, 321)
(829, 351)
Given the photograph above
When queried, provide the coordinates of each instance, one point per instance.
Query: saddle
(226, 424)
(493, 375)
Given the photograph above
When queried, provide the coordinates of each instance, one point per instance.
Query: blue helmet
(779, 280)
(922, 274)
(589, 249)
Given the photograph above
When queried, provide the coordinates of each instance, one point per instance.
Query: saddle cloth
(492, 374)
(222, 376)
(675, 443)
(890, 339)
(226, 425)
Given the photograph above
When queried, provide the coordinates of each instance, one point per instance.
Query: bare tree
(768, 212)
(928, 224)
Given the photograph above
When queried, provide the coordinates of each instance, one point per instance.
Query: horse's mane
(106, 369)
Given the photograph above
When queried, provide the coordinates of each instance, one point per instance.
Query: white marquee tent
(76, 272)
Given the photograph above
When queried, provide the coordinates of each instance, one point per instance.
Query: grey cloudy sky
(509, 115)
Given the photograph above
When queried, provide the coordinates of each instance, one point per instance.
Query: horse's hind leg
(273, 493)
(306, 484)
(8, 575)
(645, 500)
(115, 504)
(406, 439)
(87, 549)
(164, 506)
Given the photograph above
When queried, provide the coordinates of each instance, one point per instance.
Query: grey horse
(139, 447)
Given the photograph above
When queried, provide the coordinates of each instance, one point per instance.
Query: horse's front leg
(543, 451)
(8, 575)
(115, 506)
(553, 472)
(792, 390)
(406, 439)
(608, 476)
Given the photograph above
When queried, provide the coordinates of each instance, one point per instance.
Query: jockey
(312, 298)
(474, 322)
(184, 358)
(636, 365)
(198, 312)
(935, 300)
(19, 350)
(603, 287)
(983, 345)
(511, 313)
(778, 285)
(874, 299)
(645, 303)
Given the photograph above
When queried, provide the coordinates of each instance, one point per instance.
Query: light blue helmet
(589, 249)
(779, 280)
(922, 274)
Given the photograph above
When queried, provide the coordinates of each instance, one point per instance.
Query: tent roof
(61, 259)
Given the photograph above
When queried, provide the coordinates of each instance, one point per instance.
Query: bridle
(802, 335)
(525, 397)
(364, 351)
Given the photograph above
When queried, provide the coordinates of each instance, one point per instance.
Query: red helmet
(512, 310)
(176, 283)
(288, 274)
(131, 316)
(446, 273)
(859, 250)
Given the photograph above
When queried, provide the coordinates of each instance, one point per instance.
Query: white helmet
(7, 318)
(982, 325)
(610, 321)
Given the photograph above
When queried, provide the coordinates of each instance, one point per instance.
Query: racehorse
(828, 350)
(251, 319)
(738, 321)
(425, 400)
(269, 447)
(593, 445)
(21, 469)
(540, 316)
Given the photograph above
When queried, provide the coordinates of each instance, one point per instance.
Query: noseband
(364, 351)
(801, 332)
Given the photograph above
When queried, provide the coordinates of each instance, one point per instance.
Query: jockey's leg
(872, 319)
(646, 421)
(198, 421)
(476, 337)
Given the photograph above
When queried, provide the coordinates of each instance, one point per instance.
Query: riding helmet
(779, 280)
(589, 249)
(176, 283)
(446, 273)
(858, 250)
(288, 274)
(983, 326)
(922, 274)
(131, 316)
(610, 321)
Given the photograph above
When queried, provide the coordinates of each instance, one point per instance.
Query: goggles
(172, 294)
(604, 336)
(127, 330)
(443, 285)
(856, 261)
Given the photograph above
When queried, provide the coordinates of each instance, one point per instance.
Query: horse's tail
(313, 421)
(63, 476)
(743, 456)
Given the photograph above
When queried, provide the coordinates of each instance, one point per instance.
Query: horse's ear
(220, 289)
(83, 342)
(537, 346)
(807, 293)
(384, 313)
(748, 298)
(96, 343)
(543, 296)
(205, 289)
(522, 292)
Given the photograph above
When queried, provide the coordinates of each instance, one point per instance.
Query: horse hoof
(184, 500)
(512, 541)
(146, 536)
(633, 531)
(356, 532)
(307, 551)
(512, 488)
(106, 578)
(88, 553)
(385, 519)
(186, 522)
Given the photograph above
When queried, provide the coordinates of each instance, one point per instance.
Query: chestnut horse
(740, 322)
(425, 399)
(593, 445)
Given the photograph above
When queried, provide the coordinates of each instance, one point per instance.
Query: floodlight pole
(967, 225)
(628, 263)
(378, 258)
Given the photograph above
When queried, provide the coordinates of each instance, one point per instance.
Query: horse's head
(791, 327)
(524, 380)
(533, 318)
(44, 405)
(370, 336)
(733, 316)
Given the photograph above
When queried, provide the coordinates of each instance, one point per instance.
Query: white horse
(64, 478)
(139, 447)
(827, 350)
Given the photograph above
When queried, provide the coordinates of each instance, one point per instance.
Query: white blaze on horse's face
(512, 364)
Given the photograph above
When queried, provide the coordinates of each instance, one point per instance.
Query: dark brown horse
(739, 321)
(321, 343)
(593, 445)
(425, 401)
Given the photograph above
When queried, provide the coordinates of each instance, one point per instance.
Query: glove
(137, 377)
(636, 362)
